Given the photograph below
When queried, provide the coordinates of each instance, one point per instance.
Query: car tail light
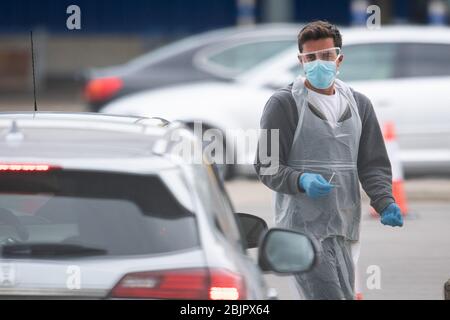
(193, 284)
(102, 89)
(226, 285)
(16, 167)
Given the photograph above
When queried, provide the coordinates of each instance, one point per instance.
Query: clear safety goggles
(330, 54)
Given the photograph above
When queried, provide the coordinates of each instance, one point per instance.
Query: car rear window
(118, 214)
(375, 61)
(245, 56)
(423, 60)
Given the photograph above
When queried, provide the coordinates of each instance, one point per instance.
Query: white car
(99, 207)
(404, 70)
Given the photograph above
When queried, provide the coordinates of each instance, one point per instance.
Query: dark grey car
(212, 56)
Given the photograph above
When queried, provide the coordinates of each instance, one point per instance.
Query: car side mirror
(286, 251)
(253, 228)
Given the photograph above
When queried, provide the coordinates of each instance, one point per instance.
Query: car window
(166, 52)
(388, 61)
(117, 213)
(223, 212)
(423, 60)
(218, 206)
(368, 62)
(242, 57)
(363, 62)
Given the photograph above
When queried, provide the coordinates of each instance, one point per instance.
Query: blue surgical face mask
(320, 73)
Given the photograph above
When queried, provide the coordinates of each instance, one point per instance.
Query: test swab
(329, 181)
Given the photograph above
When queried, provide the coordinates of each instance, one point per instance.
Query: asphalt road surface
(412, 262)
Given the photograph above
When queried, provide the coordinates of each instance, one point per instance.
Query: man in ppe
(329, 141)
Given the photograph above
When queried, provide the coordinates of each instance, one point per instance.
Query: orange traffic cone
(398, 190)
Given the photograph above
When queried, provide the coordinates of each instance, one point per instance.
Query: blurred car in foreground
(405, 71)
(95, 206)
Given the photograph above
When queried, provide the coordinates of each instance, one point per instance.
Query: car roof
(426, 33)
(207, 38)
(401, 33)
(269, 31)
(79, 117)
(85, 139)
(416, 34)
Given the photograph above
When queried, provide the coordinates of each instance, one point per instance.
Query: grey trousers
(333, 277)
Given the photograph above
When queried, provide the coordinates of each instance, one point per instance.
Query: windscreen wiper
(48, 250)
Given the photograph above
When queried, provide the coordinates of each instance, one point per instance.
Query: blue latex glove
(315, 185)
(392, 216)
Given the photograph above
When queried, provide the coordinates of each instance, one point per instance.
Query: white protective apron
(321, 148)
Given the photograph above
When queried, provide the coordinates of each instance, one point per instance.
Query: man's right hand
(315, 185)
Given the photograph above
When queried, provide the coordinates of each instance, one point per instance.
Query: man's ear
(339, 60)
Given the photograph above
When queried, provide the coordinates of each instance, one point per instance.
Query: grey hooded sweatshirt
(374, 167)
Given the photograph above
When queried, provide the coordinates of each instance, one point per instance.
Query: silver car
(404, 70)
(96, 206)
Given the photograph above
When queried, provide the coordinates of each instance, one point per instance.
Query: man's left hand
(392, 216)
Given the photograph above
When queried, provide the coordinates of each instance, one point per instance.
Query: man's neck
(328, 91)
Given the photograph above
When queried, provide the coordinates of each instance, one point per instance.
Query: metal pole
(278, 10)
(358, 12)
(246, 12)
(437, 12)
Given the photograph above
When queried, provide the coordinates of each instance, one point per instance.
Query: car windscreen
(86, 213)
(423, 60)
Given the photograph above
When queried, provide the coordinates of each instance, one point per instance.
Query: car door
(423, 105)
(406, 83)
(228, 225)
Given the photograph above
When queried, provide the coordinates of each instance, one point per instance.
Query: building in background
(113, 32)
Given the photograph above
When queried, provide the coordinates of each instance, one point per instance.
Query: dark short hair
(317, 30)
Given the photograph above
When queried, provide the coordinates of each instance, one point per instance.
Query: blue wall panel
(335, 11)
(122, 16)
